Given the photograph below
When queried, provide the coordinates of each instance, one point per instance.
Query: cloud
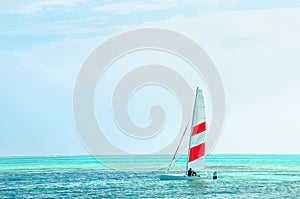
(150, 5)
(74, 26)
(29, 6)
(135, 6)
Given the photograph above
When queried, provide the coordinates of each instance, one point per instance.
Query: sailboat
(196, 148)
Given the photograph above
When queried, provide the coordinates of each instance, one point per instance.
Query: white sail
(196, 151)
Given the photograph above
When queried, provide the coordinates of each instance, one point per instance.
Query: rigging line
(179, 145)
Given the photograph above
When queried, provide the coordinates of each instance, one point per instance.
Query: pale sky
(254, 45)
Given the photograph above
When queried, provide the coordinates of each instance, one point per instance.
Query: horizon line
(28, 156)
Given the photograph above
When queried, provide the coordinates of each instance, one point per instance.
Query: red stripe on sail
(199, 128)
(197, 152)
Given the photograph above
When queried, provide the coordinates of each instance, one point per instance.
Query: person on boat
(190, 172)
(194, 173)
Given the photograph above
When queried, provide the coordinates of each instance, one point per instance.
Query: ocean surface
(239, 176)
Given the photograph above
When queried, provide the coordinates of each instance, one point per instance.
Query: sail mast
(187, 161)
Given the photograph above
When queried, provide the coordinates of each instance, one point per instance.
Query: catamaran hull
(181, 177)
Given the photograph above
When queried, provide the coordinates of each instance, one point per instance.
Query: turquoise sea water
(240, 176)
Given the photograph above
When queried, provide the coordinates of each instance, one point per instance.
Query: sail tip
(198, 89)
